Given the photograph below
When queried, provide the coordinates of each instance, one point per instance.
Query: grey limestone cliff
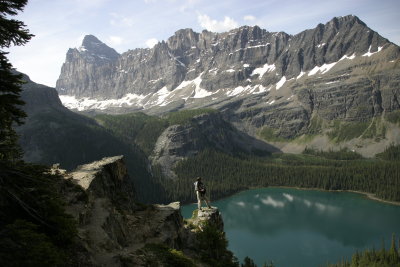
(341, 70)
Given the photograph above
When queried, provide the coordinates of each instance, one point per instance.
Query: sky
(128, 24)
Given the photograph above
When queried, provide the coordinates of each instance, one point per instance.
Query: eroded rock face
(111, 223)
(114, 228)
(341, 70)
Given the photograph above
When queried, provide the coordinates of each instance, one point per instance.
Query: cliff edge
(116, 230)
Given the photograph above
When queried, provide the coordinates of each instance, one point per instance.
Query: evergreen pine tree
(394, 256)
(248, 262)
(12, 32)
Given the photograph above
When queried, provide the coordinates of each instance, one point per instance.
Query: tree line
(227, 174)
(374, 258)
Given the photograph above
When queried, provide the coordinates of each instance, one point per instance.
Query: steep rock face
(111, 224)
(218, 60)
(117, 231)
(341, 70)
(92, 59)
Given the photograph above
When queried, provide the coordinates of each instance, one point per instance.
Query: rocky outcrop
(210, 216)
(115, 230)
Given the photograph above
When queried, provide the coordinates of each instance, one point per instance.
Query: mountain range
(309, 87)
(349, 106)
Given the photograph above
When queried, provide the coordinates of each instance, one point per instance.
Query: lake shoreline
(368, 195)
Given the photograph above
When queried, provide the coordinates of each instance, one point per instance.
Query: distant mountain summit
(247, 59)
(94, 48)
(341, 70)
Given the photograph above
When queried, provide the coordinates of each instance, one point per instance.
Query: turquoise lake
(292, 227)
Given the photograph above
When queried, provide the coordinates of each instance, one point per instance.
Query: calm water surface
(303, 227)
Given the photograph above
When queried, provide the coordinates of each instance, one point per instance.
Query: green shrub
(161, 255)
(212, 245)
(34, 229)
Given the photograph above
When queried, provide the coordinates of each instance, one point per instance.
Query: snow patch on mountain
(161, 96)
(323, 69)
(281, 83)
(301, 74)
(86, 103)
(238, 90)
(369, 53)
(262, 70)
(200, 92)
(353, 56)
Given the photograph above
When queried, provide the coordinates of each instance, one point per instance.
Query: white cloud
(217, 26)
(288, 197)
(269, 201)
(249, 18)
(188, 4)
(115, 40)
(326, 208)
(121, 20)
(151, 42)
(88, 4)
(307, 202)
(241, 204)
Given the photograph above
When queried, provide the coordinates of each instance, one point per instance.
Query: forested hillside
(228, 173)
(144, 130)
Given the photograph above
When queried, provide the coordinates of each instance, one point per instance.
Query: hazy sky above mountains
(128, 24)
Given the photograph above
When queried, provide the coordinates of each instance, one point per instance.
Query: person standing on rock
(200, 192)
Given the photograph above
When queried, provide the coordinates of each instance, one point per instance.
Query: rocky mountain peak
(183, 39)
(92, 47)
(349, 19)
(248, 72)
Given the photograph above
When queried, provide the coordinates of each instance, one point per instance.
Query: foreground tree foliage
(374, 258)
(12, 32)
(212, 245)
(34, 229)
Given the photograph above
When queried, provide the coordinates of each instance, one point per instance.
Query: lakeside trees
(372, 257)
(227, 174)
